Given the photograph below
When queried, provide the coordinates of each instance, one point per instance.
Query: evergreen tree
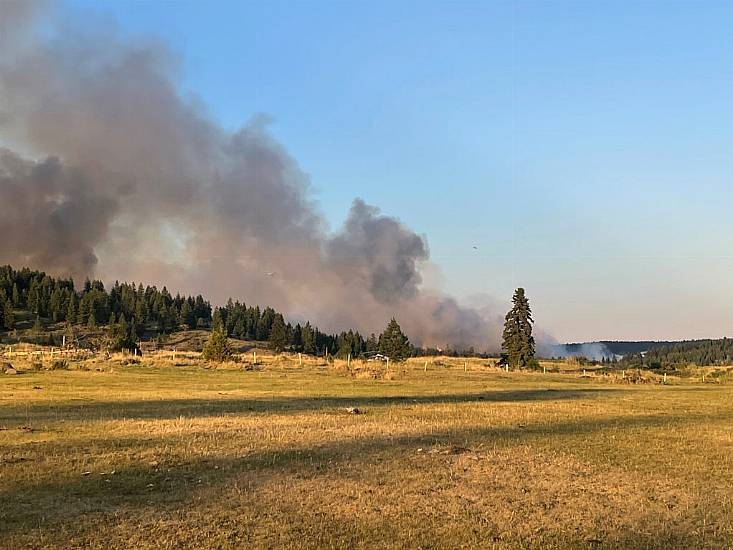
(140, 310)
(265, 324)
(278, 337)
(309, 339)
(55, 305)
(393, 343)
(297, 339)
(122, 335)
(372, 343)
(217, 347)
(186, 317)
(71, 310)
(217, 323)
(8, 318)
(517, 339)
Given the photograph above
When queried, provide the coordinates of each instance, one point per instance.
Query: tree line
(57, 301)
(130, 310)
(702, 353)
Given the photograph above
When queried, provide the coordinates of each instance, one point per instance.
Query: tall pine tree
(393, 343)
(278, 335)
(517, 339)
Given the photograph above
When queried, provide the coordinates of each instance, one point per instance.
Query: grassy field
(176, 455)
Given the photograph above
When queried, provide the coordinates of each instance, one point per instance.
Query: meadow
(178, 453)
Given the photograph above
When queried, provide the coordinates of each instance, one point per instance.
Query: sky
(584, 148)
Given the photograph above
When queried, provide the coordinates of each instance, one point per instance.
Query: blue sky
(584, 147)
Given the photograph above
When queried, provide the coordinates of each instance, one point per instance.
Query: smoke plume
(114, 174)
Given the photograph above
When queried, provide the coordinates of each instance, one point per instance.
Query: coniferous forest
(131, 312)
(702, 353)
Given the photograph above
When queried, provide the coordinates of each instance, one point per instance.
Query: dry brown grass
(215, 456)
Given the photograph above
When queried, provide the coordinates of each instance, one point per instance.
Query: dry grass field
(178, 454)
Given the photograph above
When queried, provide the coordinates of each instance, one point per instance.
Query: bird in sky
(269, 273)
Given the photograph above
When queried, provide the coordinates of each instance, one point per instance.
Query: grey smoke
(595, 351)
(123, 178)
(48, 214)
(380, 251)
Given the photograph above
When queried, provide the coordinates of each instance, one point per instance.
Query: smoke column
(108, 171)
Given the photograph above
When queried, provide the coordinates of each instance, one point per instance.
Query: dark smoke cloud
(136, 183)
(49, 216)
(380, 252)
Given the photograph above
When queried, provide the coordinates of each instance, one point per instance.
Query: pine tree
(265, 324)
(122, 335)
(217, 323)
(297, 339)
(517, 339)
(278, 337)
(71, 311)
(185, 318)
(217, 347)
(393, 343)
(55, 305)
(309, 339)
(8, 318)
(372, 343)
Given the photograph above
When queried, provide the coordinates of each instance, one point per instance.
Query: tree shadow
(147, 409)
(173, 483)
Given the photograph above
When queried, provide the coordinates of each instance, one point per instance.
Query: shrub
(217, 347)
